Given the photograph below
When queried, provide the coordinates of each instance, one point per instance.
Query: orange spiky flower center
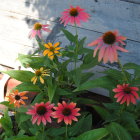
(109, 38)
(17, 97)
(127, 90)
(66, 112)
(41, 110)
(37, 26)
(38, 73)
(74, 12)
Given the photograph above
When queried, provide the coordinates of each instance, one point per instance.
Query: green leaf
(6, 103)
(86, 76)
(7, 124)
(115, 74)
(65, 92)
(118, 132)
(26, 138)
(82, 124)
(103, 82)
(102, 112)
(20, 75)
(27, 87)
(96, 134)
(69, 35)
(51, 88)
(56, 131)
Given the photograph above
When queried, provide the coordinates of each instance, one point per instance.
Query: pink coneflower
(127, 94)
(74, 15)
(36, 31)
(66, 112)
(41, 112)
(108, 44)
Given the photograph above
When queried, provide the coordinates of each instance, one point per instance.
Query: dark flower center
(41, 110)
(109, 38)
(127, 90)
(38, 73)
(66, 112)
(51, 48)
(37, 26)
(17, 97)
(74, 12)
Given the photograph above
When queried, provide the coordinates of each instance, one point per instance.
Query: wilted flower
(17, 98)
(41, 112)
(36, 31)
(125, 93)
(66, 112)
(39, 74)
(52, 50)
(108, 44)
(74, 15)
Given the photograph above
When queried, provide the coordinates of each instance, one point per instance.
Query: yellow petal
(58, 48)
(56, 44)
(33, 79)
(50, 53)
(50, 44)
(51, 57)
(47, 46)
(41, 69)
(46, 52)
(41, 80)
(56, 51)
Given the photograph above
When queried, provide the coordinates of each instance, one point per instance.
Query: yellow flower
(52, 50)
(39, 74)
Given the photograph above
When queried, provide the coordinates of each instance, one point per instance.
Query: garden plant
(62, 76)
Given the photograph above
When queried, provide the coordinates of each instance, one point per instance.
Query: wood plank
(16, 31)
(132, 1)
(105, 15)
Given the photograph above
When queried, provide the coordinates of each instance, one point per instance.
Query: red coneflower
(66, 112)
(17, 98)
(108, 44)
(125, 93)
(36, 31)
(41, 112)
(74, 15)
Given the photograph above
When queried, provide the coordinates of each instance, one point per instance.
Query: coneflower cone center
(41, 110)
(66, 112)
(37, 26)
(127, 90)
(38, 73)
(109, 38)
(17, 97)
(73, 12)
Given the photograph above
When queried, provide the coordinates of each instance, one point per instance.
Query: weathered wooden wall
(18, 16)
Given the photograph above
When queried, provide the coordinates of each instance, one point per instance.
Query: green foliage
(7, 124)
(103, 82)
(20, 75)
(96, 134)
(118, 132)
(27, 87)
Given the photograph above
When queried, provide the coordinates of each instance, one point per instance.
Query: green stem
(66, 131)
(43, 128)
(122, 69)
(76, 49)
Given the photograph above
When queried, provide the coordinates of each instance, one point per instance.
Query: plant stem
(76, 45)
(66, 131)
(43, 128)
(122, 69)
